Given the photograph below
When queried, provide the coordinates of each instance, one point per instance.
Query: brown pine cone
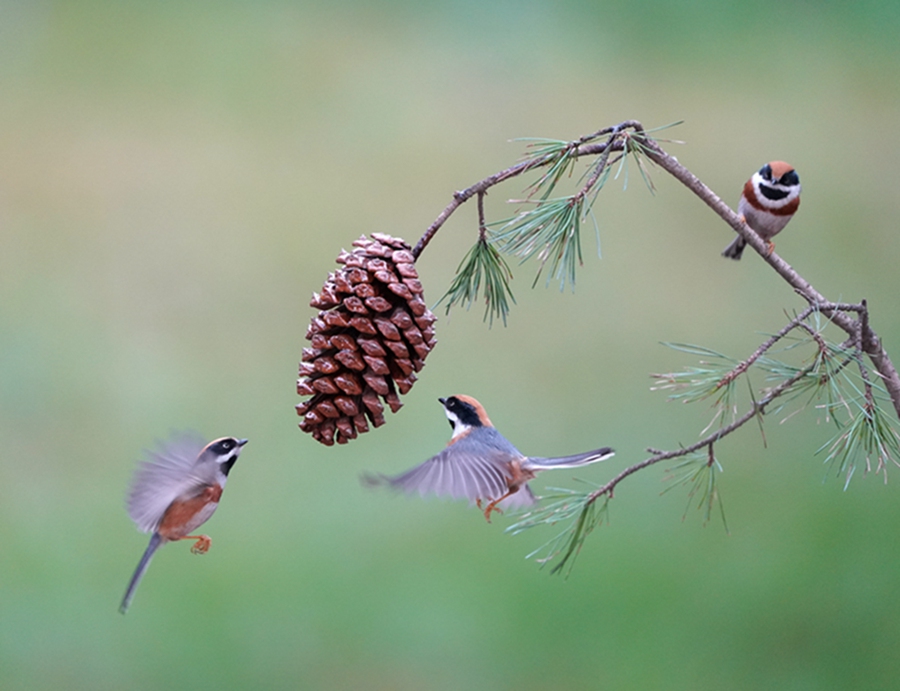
(371, 337)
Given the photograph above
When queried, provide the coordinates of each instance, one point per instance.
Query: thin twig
(757, 408)
(482, 225)
(863, 323)
(746, 364)
(581, 149)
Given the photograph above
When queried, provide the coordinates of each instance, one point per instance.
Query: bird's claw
(490, 508)
(202, 545)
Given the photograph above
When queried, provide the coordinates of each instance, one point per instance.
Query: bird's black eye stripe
(464, 412)
(222, 447)
(772, 193)
(790, 179)
(766, 172)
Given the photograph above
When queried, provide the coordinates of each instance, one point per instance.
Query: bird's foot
(490, 508)
(202, 545)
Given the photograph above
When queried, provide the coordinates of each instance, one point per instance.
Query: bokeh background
(177, 178)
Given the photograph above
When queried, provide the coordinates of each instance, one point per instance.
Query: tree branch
(578, 147)
(871, 343)
(617, 141)
(551, 225)
(756, 409)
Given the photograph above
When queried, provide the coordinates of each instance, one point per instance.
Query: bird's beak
(241, 442)
(443, 401)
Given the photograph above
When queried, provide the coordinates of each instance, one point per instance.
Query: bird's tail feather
(571, 461)
(155, 541)
(735, 249)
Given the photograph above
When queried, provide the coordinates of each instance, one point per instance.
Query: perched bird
(175, 491)
(769, 200)
(479, 464)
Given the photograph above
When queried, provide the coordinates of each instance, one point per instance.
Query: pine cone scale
(372, 333)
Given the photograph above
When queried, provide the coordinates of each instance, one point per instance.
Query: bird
(175, 491)
(769, 200)
(480, 464)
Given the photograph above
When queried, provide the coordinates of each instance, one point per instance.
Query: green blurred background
(177, 178)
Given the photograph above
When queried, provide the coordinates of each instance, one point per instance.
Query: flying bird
(175, 491)
(479, 464)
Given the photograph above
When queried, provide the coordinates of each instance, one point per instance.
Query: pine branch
(866, 441)
(630, 136)
(548, 228)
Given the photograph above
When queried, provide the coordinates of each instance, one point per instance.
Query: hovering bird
(769, 200)
(175, 491)
(479, 464)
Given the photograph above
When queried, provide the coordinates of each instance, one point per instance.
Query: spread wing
(166, 474)
(459, 471)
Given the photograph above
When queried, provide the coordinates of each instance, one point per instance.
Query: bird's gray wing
(166, 474)
(578, 459)
(459, 471)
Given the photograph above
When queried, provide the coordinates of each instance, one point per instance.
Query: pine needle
(482, 271)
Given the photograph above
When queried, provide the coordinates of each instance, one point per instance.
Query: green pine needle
(868, 437)
(581, 515)
(700, 471)
(482, 271)
(551, 231)
(709, 380)
(824, 379)
(635, 149)
(560, 158)
(865, 440)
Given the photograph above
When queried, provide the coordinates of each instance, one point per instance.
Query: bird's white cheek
(459, 430)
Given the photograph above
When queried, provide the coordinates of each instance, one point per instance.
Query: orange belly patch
(181, 516)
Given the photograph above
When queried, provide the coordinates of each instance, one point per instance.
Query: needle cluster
(831, 378)
(548, 225)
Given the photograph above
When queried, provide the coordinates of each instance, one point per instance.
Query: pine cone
(371, 337)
